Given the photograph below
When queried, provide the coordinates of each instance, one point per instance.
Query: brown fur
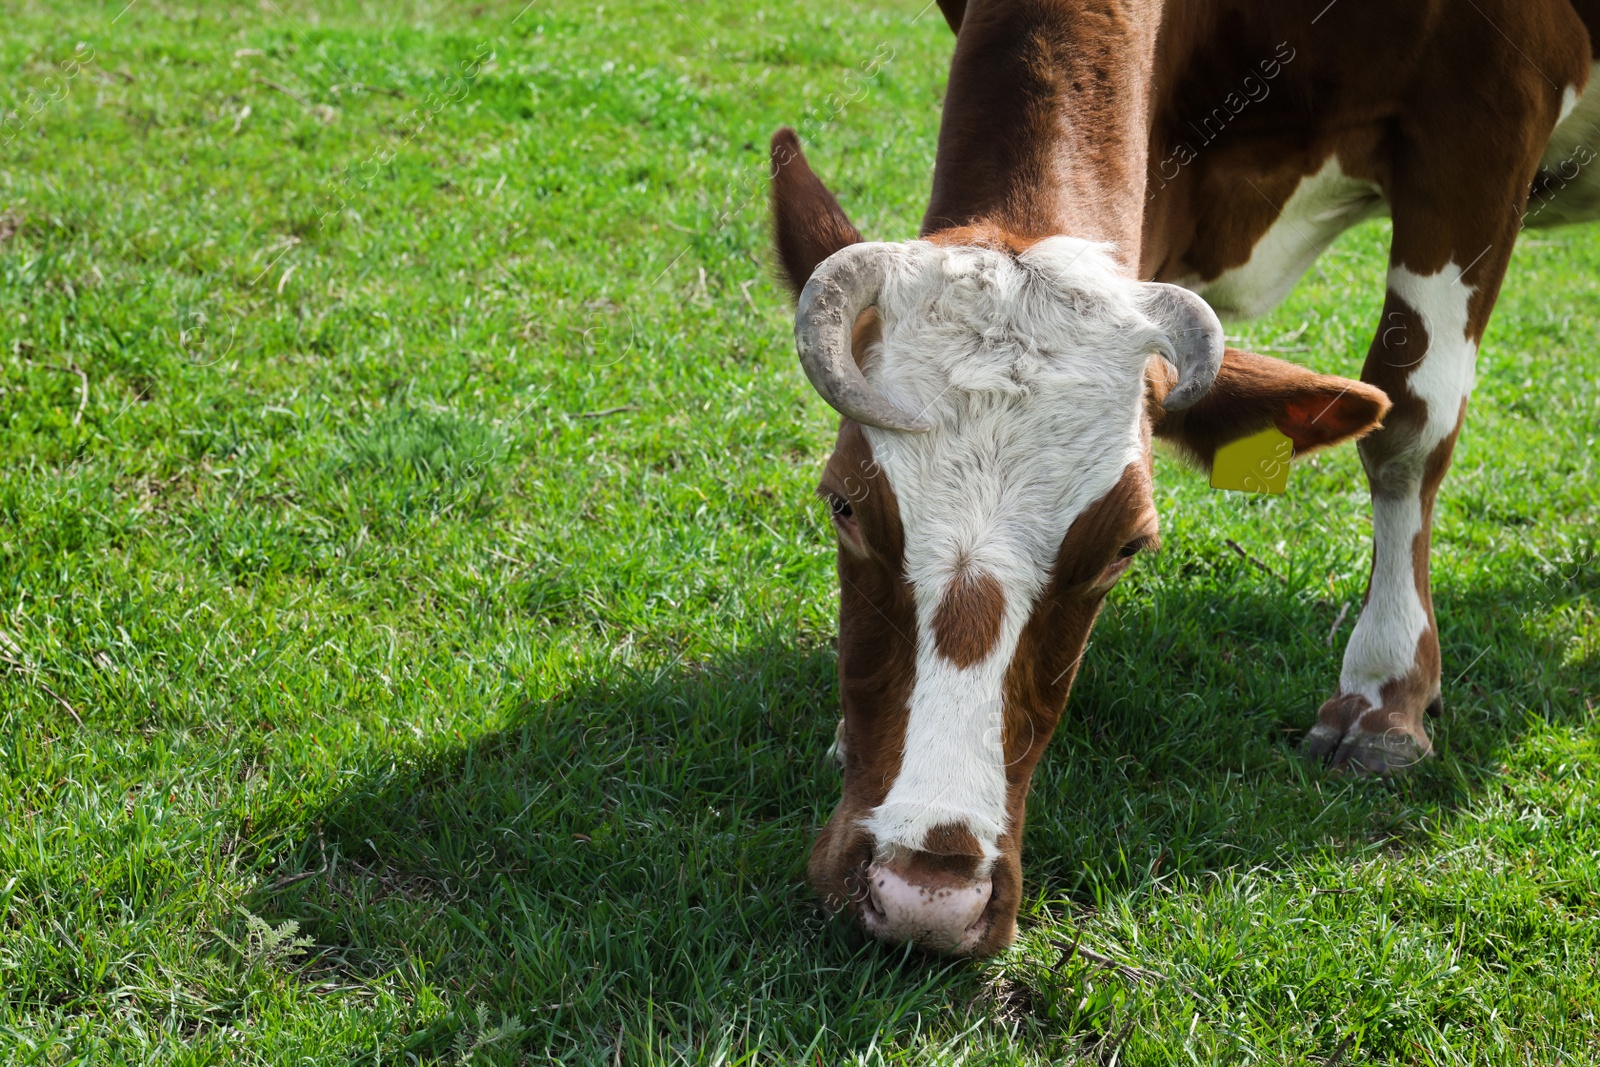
(877, 665)
(809, 226)
(967, 622)
(1006, 156)
(1252, 392)
(953, 11)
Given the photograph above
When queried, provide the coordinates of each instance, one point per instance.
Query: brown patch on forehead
(966, 624)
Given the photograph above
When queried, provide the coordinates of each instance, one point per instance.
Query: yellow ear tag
(1255, 464)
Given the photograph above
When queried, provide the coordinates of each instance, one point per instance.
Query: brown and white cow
(1100, 162)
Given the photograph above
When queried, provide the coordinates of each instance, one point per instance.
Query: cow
(1110, 175)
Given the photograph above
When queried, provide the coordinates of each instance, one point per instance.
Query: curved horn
(1195, 335)
(842, 287)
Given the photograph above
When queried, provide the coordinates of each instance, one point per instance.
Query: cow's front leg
(1424, 358)
(1445, 270)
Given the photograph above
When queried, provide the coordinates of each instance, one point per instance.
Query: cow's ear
(1253, 392)
(807, 223)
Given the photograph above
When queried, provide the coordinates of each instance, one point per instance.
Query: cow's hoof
(1350, 736)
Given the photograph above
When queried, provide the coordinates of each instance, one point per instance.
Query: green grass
(414, 507)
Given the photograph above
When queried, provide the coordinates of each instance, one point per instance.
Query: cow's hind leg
(1455, 222)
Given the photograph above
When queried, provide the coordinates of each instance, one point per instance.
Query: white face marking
(1572, 158)
(1384, 644)
(1032, 373)
(1323, 206)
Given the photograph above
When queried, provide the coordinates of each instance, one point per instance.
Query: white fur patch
(1569, 104)
(1323, 206)
(1384, 644)
(1448, 371)
(1032, 373)
(1580, 116)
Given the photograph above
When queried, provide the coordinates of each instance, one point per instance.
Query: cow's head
(989, 485)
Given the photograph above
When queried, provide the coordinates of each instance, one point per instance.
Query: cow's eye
(1130, 549)
(844, 521)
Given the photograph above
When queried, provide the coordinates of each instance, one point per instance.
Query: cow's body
(1218, 145)
(1245, 192)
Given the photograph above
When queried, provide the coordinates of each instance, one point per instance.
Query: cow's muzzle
(938, 912)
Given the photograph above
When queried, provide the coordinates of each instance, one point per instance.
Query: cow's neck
(1046, 120)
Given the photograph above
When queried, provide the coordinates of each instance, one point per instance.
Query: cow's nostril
(944, 915)
(872, 898)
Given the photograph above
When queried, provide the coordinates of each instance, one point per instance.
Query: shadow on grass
(627, 857)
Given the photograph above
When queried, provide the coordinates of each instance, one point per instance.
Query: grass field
(416, 625)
